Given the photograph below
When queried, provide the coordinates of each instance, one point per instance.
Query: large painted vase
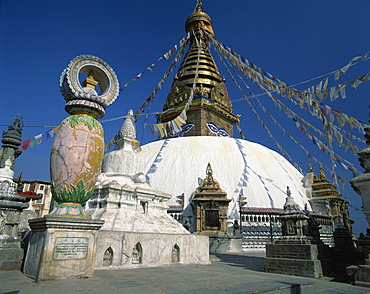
(76, 157)
(78, 147)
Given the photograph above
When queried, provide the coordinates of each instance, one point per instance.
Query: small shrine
(326, 199)
(296, 252)
(210, 205)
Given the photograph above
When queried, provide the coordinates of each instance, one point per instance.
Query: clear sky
(293, 40)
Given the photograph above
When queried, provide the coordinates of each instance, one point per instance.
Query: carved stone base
(225, 244)
(61, 248)
(363, 243)
(11, 253)
(294, 259)
(359, 274)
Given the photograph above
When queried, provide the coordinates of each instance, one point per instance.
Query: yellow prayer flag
(354, 59)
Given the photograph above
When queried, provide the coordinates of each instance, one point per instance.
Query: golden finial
(199, 20)
(199, 6)
(209, 170)
(311, 170)
(90, 82)
(322, 174)
(288, 192)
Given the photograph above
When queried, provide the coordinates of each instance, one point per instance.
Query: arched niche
(108, 257)
(175, 254)
(137, 254)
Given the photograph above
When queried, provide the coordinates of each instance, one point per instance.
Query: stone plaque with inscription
(70, 248)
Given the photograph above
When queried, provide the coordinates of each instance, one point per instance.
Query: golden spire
(211, 102)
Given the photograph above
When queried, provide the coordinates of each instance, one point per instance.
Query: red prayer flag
(25, 144)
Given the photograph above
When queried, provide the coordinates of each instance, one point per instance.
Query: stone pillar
(360, 274)
(62, 244)
(361, 183)
(11, 140)
(11, 204)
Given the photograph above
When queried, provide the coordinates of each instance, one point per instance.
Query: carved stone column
(360, 274)
(361, 183)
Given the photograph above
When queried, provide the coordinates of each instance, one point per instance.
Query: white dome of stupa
(176, 166)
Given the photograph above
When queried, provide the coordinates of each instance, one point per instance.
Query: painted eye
(213, 128)
(222, 132)
(187, 128)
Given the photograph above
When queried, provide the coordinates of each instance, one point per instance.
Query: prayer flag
(25, 144)
(38, 139)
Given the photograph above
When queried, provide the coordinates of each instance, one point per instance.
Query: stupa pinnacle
(211, 109)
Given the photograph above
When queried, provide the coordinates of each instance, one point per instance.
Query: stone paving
(227, 273)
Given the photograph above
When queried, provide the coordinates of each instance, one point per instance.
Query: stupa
(245, 170)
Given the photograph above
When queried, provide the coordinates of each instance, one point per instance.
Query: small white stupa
(6, 172)
(137, 228)
(7, 185)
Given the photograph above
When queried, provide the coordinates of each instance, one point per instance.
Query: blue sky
(294, 40)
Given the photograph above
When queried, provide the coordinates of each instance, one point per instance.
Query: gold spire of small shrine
(311, 170)
(322, 173)
(327, 199)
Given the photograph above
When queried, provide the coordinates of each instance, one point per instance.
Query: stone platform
(61, 248)
(120, 250)
(228, 273)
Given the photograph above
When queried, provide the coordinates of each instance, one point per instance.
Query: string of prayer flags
(174, 127)
(36, 140)
(338, 74)
(237, 124)
(317, 142)
(298, 120)
(280, 148)
(162, 81)
(165, 56)
(271, 83)
(357, 82)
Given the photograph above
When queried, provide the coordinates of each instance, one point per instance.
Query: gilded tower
(210, 112)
